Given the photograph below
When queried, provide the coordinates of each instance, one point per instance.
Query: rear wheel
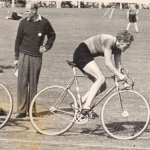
(128, 121)
(54, 113)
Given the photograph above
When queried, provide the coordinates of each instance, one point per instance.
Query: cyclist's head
(124, 36)
(124, 39)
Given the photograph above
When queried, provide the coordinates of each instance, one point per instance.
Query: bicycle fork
(125, 113)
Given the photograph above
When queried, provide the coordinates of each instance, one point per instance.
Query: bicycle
(124, 115)
(6, 105)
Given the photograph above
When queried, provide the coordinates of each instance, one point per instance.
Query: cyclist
(100, 45)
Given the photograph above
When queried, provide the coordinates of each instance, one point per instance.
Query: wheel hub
(125, 114)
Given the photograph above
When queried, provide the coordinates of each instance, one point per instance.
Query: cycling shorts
(82, 56)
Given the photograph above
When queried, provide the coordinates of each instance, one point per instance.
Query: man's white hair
(33, 5)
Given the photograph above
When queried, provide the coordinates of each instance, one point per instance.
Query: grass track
(73, 26)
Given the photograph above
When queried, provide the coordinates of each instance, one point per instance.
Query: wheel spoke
(60, 117)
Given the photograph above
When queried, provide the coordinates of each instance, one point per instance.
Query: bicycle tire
(129, 123)
(6, 105)
(55, 117)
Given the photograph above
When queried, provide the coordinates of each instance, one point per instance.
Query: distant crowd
(74, 4)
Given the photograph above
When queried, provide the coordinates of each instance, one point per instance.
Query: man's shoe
(85, 112)
(36, 115)
(21, 115)
(3, 112)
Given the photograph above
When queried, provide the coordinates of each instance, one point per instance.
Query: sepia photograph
(74, 75)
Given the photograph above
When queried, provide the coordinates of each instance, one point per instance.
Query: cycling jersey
(98, 43)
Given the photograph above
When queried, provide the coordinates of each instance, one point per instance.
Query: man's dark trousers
(28, 75)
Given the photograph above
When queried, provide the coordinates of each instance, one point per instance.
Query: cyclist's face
(123, 46)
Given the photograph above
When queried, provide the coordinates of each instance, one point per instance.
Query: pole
(79, 4)
(100, 5)
(120, 5)
(13, 1)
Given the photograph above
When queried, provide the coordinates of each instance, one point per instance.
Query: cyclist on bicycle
(100, 45)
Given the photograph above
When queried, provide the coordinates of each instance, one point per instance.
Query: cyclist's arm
(117, 60)
(109, 64)
(108, 59)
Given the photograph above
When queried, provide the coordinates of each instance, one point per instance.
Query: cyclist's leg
(85, 62)
(84, 97)
(102, 88)
(93, 70)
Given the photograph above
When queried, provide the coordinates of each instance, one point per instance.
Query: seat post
(77, 87)
(74, 71)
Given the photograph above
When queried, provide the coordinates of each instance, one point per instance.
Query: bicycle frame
(118, 115)
(74, 79)
(123, 70)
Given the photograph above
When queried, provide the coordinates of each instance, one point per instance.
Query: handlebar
(130, 81)
(124, 71)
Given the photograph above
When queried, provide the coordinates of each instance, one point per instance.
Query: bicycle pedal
(93, 115)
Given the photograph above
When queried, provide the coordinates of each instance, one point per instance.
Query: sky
(123, 1)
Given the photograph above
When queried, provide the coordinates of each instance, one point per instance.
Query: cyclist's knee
(101, 79)
(103, 87)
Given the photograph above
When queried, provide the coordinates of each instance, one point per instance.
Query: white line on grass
(75, 144)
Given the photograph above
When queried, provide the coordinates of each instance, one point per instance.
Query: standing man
(28, 55)
(132, 16)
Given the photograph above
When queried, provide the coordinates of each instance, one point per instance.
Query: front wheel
(126, 118)
(6, 105)
(53, 110)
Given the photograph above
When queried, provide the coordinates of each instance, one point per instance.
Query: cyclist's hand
(16, 62)
(123, 77)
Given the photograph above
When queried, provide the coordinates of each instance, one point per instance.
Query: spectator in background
(28, 55)
(15, 16)
(132, 16)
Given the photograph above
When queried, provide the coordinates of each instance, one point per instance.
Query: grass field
(73, 26)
